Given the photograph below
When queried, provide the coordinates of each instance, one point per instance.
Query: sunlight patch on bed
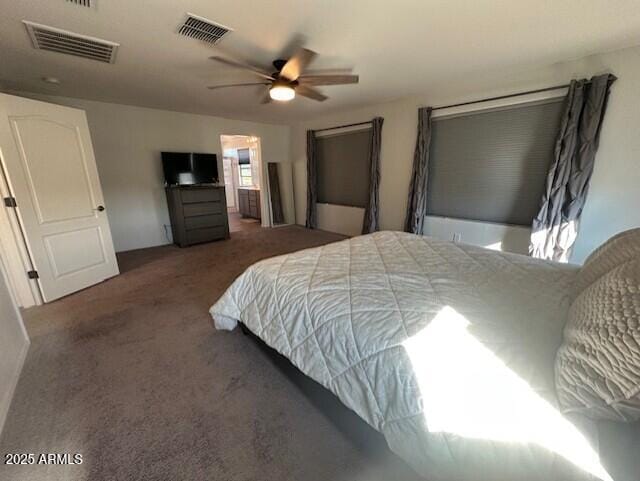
(468, 391)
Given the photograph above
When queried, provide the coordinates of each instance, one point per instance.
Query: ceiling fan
(289, 78)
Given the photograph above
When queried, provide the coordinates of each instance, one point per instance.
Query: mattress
(446, 349)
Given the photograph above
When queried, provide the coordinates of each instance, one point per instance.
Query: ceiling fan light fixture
(282, 93)
(290, 78)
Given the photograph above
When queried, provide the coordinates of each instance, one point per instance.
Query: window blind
(244, 156)
(343, 168)
(492, 166)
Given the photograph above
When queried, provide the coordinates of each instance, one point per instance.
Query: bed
(446, 349)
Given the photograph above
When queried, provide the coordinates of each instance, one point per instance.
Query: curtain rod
(528, 92)
(343, 126)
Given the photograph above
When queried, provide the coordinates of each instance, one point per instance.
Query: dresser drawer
(200, 221)
(202, 208)
(203, 235)
(198, 214)
(200, 195)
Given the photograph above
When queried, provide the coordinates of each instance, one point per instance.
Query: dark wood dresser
(198, 213)
(249, 203)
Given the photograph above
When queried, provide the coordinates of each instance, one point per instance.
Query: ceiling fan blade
(245, 66)
(266, 99)
(311, 93)
(215, 87)
(295, 43)
(297, 64)
(328, 79)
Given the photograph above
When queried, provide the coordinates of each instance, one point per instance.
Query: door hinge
(10, 202)
(33, 275)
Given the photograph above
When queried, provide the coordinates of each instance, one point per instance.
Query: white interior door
(51, 170)
(228, 184)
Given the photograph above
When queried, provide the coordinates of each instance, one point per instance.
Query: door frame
(14, 251)
(265, 207)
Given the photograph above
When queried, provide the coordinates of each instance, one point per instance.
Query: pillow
(617, 250)
(598, 364)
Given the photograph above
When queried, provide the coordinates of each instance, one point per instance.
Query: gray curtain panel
(312, 181)
(372, 210)
(417, 202)
(555, 227)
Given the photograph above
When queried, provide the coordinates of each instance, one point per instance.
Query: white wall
(14, 343)
(339, 218)
(500, 237)
(614, 195)
(128, 140)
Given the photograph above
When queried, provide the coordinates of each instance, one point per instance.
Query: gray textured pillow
(598, 364)
(617, 250)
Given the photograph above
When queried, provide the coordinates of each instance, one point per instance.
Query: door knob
(100, 208)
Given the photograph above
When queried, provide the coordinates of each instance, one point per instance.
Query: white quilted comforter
(446, 349)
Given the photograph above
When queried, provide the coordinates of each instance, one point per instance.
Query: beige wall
(14, 343)
(127, 142)
(614, 194)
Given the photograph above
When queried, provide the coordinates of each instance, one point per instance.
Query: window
(343, 168)
(492, 166)
(245, 176)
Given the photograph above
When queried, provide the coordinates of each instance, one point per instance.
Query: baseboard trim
(6, 403)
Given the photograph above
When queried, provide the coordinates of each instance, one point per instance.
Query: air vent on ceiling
(83, 3)
(203, 29)
(63, 41)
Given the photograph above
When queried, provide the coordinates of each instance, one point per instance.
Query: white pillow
(598, 364)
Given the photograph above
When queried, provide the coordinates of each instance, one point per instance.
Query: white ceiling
(399, 48)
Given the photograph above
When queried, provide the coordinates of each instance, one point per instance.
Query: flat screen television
(187, 168)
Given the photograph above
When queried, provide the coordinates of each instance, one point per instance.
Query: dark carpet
(131, 374)
(237, 223)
